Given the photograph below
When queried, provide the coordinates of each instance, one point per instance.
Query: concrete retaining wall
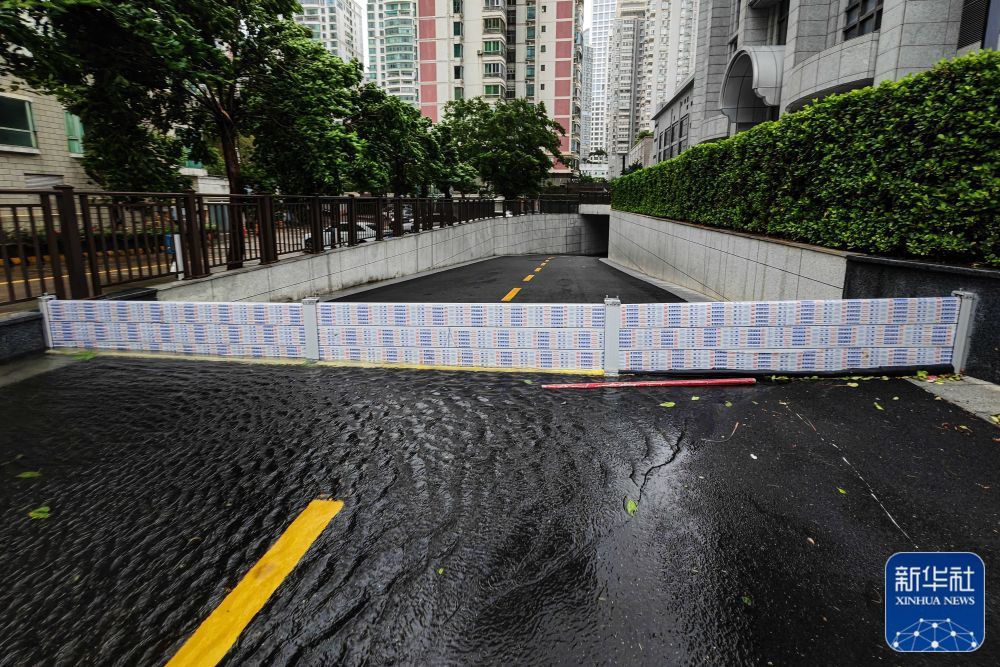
(725, 265)
(878, 277)
(21, 334)
(293, 278)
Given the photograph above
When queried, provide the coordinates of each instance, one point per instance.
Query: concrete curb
(687, 294)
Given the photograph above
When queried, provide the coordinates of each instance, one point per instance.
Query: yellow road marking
(538, 269)
(216, 635)
(528, 277)
(511, 294)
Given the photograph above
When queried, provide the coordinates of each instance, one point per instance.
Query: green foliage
(511, 144)
(296, 107)
(399, 149)
(909, 168)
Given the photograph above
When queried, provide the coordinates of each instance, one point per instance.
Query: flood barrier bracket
(963, 330)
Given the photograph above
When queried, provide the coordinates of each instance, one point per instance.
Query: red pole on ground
(717, 382)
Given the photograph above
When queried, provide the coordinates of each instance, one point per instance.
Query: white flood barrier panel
(258, 330)
(767, 336)
(493, 335)
(788, 336)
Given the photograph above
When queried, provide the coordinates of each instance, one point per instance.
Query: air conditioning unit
(479, 53)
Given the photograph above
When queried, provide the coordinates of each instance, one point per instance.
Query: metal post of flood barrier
(43, 308)
(612, 326)
(310, 322)
(963, 330)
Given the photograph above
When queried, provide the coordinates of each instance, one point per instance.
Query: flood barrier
(765, 337)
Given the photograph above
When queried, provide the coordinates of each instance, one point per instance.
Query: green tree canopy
(511, 144)
(154, 67)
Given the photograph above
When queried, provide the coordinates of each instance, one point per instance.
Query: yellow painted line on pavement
(217, 634)
(528, 277)
(511, 294)
(538, 269)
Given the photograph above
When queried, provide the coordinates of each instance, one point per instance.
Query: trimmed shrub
(907, 168)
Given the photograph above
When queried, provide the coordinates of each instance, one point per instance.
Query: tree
(635, 166)
(397, 143)
(450, 172)
(296, 107)
(164, 64)
(511, 144)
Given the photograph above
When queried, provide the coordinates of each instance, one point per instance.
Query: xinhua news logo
(935, 601)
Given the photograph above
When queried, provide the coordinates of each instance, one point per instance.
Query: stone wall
(725, 265)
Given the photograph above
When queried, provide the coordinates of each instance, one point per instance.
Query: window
(460, 93)
(74, 134)
(17, 127)
(458, 71)
(529, 90)
(456, 6)
(543, 28)
(493, 90)
(510, 94)
(543, 48)
(457, 50)
(494, 69)
(541, 86)
(778, 28)
(531, 32)
(863, 17)
(529, 71)
(531, 12)
(494, 25)
(530, 52)
(543, 68)
(456, 28)
(493, 47)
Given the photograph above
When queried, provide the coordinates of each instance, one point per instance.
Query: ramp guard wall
(764, 336)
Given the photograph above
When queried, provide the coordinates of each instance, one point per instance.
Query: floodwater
(485, 517)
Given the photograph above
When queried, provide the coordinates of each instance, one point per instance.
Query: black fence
(77, 244)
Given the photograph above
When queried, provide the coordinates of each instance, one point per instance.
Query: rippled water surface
(168, 480)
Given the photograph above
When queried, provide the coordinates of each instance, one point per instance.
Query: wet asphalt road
(169, 479)
(565, 279)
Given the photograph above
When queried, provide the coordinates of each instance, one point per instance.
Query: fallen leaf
(440, 570)
(29, 474)
(842, 491)
(667, 404)
(729, 404)
(895, 398)
(527, 382)
(879, 407)
(747, 600)
(696, 398)
(995, 419)
(630, 506)
(753, 456)
(811, 541)
(84, 356)
(40, 512)
(852, 384)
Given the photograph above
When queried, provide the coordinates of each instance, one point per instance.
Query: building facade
(625, 94)
(670, 28)
(41, 144)
(530, 49)
(392, 48)
(601, 22)
(756, 60)
(337, 25)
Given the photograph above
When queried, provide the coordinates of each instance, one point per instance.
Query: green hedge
(907, 168)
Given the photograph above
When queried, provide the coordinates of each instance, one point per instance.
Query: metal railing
(78, 244)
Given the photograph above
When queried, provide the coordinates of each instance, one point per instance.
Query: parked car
(365, 232)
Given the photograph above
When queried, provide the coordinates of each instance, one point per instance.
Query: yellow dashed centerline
(538, 269)
(217, 633)
(511, 294)
(528, 277)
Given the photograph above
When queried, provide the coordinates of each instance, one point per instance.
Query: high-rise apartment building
(497, 49)
(625, 79)
(336, 24)
(669, 58)
(392, 47)
(601, 21)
